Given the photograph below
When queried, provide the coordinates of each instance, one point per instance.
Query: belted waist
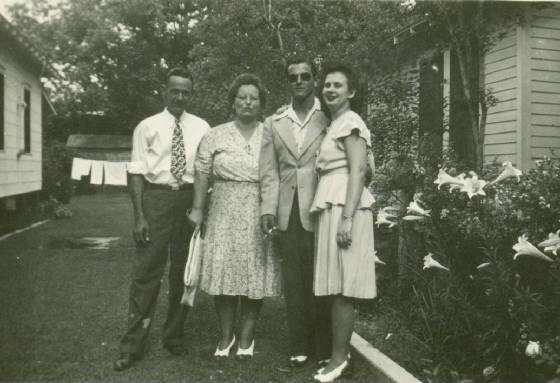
(185, 186)
(235, 181)
(332, 171)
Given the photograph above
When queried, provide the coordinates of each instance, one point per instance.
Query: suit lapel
(316, 126)
(284, 129)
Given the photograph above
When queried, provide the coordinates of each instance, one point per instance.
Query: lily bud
(533, 349)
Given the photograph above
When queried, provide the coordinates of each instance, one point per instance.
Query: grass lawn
(64, 311)
(383, 326)
(11, 221)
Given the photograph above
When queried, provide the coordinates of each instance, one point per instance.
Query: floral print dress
(236, 258)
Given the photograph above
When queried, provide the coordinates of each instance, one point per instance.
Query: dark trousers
(309, 319)
(169, 233)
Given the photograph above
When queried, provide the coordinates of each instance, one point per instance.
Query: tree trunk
(469, 71)
(483, 112)
(467, 49)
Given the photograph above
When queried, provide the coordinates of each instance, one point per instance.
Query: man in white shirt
(161, 188)
(291, 140)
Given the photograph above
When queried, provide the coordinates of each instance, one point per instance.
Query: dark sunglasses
(302, 76)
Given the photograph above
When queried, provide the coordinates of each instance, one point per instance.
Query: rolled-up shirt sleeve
(204, 157)
(138, 163)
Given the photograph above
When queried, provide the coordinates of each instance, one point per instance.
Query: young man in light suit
(290, 143)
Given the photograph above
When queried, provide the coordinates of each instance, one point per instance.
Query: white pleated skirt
(350, 271)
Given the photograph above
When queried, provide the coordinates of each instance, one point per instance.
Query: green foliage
(477, 316)
(254, 36)
(54, 208)
(393, 120)
(112, 55)
(57, 164)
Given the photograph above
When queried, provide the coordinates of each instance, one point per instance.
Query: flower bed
(482, 301)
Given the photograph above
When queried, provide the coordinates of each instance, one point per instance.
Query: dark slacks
(169, 233)
(309, 319)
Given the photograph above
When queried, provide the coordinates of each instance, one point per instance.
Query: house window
(1, 111)
(27, 121)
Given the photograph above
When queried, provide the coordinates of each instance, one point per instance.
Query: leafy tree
(258, 36)
(110, 54)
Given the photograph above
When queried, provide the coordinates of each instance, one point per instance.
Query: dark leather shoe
(124, 361)
(176, 349)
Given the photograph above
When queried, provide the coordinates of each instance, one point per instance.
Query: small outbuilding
(101, 147)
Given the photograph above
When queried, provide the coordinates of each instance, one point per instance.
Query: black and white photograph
(280, 191)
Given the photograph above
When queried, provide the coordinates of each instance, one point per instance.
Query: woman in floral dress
(238, 266)
(344, 256)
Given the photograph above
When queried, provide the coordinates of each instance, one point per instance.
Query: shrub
(57, 164)
(54, 208)
(479, 315)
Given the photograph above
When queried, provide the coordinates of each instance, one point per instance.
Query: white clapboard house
(22, 104)
(523, 72)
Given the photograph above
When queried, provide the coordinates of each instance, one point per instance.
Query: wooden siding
(23, 174)
(544, 83)
(501, 76)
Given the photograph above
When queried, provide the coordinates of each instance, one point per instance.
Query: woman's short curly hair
(247, 79)
(354, 83)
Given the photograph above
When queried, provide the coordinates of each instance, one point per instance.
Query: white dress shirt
(151, 146)
(299, 127)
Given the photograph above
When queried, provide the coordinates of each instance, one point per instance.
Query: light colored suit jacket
(283, 169)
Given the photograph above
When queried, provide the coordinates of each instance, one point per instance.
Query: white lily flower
(413, 218)
(488, 371)
(385, 212)
(384, 221)
(553, 240)
(473, 186)
(384, 218)
(554, 249)
(430, 262)
(483, 265)
(460, 182)
(444, 178)
(414, 208)
(378, 260)
(533, 349)
(524, 247)
(508, 172)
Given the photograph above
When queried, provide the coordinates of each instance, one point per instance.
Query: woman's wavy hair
(247, 79)
(354, 83)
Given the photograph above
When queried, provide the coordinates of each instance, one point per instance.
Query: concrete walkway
(64, 309)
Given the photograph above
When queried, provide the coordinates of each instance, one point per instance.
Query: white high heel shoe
(243, 353)
(323, 363)
(333, 375)
(225, 351)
